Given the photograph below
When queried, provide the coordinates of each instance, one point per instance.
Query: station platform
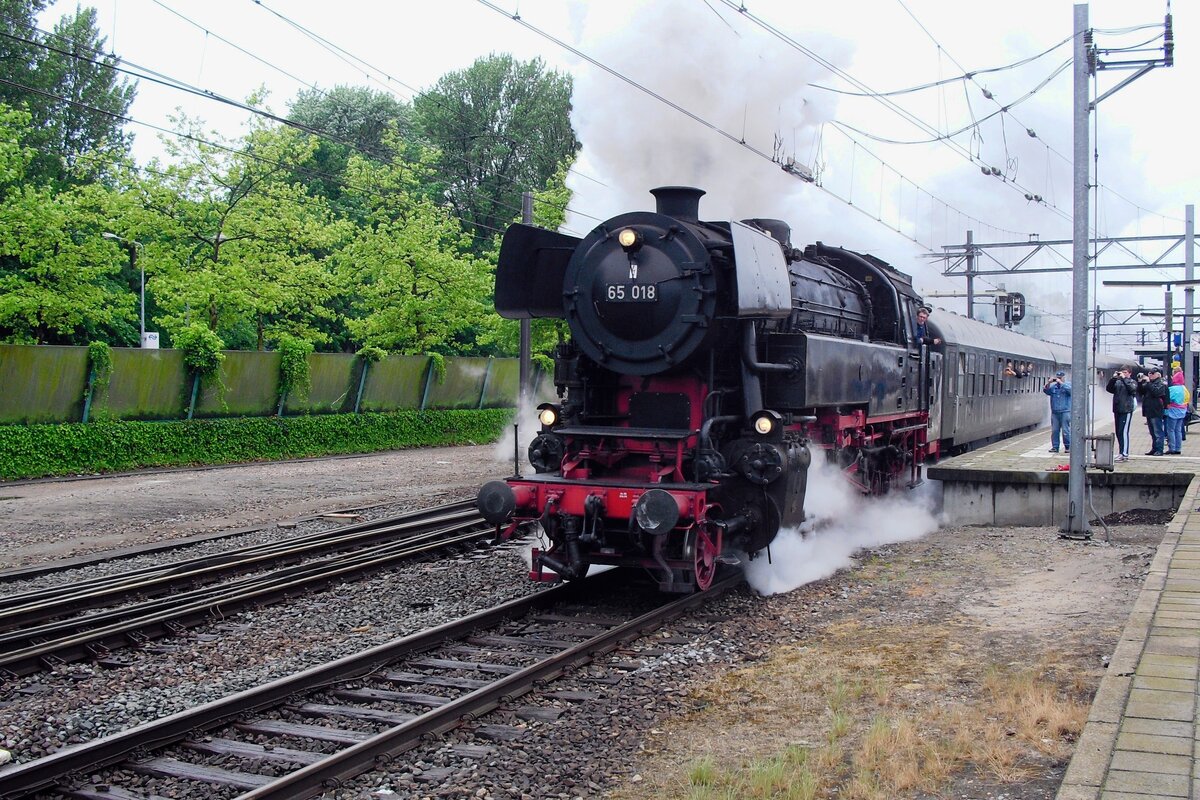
(1017, 481)
(1142, 736)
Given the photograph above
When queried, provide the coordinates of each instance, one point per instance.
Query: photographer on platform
(1153, 395)
(1059, 390)
(1124, 390)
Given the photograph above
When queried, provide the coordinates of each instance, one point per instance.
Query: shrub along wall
(28, 451)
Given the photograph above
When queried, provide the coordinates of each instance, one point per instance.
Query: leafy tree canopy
(415, 286)
(59, 278)
(65, 80)
(352, 120)
(501, 128)
(246, 248)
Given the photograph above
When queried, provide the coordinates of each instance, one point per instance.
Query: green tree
(501, 127)
(353, 120)
(59, 279)
(413, 284)
(70, 87)
(249, 248)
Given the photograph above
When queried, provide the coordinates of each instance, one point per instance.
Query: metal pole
(142, 272)
(526, 334)
(1076, 523)
(1189, 262)
(1170, 307)
(970, 275)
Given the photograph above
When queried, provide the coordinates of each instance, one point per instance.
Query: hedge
(30, 451)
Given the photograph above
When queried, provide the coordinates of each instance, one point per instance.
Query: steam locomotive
(707, 360)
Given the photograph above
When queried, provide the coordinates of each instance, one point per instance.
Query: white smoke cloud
(840, 523)
(718, 65)
(514, 442)
(742, 81)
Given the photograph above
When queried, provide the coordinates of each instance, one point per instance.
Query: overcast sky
(739, 82)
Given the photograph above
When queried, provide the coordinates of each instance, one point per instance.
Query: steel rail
(22, 780)
(26, 652)
(330, 773)
(41, 605)
(41, 569)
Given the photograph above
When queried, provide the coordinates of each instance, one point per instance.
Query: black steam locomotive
(706, 359)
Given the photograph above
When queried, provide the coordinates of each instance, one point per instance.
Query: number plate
(631, 293)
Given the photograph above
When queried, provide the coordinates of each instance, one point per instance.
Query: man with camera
(1123, 388)
(1059, 390)
(1153, 394)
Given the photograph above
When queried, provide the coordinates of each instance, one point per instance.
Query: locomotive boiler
(706, 359)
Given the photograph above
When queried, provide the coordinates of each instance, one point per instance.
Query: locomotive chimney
(681, 202)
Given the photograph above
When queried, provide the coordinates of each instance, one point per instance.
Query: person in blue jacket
(1059, 389)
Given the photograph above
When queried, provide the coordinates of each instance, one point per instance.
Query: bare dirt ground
(47, 520)
(960, 665)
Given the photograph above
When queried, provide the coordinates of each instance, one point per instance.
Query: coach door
(932, 384)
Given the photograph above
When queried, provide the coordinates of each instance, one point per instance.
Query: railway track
(45, 628)
(34, 571)
(310, 732)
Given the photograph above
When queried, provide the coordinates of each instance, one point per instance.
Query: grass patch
(786, 775)
(869, 714)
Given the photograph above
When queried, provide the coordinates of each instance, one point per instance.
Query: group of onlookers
(1164, 406)
(1018, 370)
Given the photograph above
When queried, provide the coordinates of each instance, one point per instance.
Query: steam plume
(840, 522)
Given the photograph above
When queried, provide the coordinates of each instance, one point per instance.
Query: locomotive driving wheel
(704, 550)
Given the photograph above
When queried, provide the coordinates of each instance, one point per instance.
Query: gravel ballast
(1010, 594)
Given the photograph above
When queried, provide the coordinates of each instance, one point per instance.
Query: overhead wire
(144, 73)
(197, 139)
(964, 76)
(1049, 148)
(975, 123)
(732, 137)
(174, 83)
(350, 59)
(899, 110)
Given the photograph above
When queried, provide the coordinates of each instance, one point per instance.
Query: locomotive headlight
(766, 423)
(548, 415)
(656, 512)
(629, 238)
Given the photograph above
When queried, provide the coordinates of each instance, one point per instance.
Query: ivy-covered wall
(48, 384)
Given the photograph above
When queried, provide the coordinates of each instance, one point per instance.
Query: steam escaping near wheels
(841, 523)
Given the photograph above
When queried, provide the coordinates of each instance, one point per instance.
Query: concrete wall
(48, 384)
(1042, 498)
(42, 384)
(145, 384)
